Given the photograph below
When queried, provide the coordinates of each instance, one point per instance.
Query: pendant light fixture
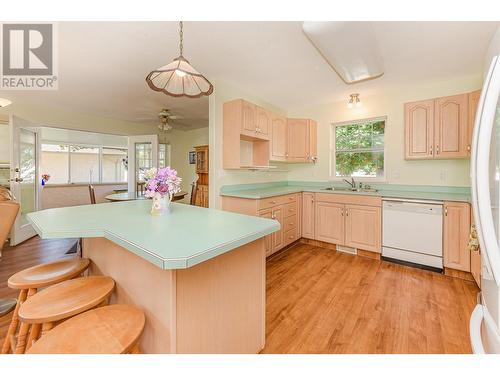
(179, 78)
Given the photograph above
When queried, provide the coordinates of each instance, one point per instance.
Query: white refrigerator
(485, 184)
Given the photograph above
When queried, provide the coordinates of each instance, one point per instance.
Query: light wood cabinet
(363, 227)
(451, 126)
(456, 228)
(308, 215)
(284, 208)
(419, 129)
(473, 103)
(248, 117)
(268, 214)
(301, 141)
(439, 128)
(349, 220)
(475, 266)
(329, 222)
(278, 138)
(263, 123)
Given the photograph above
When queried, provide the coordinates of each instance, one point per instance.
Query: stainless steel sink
(353, 190)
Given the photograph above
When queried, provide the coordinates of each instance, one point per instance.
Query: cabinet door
(278, 138)
(308, 216)
(313, 141)
(419, 129)
(249, 120)
(363, 227)
(297, 140)
(268, 214)
(473, 103)
(456, 228)
(278, 240)
(475, 266)
(451, 126)
(329, 222)
(263, 123)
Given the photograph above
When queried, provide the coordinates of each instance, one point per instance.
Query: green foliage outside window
(359, 149)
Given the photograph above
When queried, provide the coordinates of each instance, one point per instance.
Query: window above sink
(358, 149)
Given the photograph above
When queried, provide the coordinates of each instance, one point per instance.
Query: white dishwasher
(413, 231)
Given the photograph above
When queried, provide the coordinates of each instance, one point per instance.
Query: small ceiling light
(179, 78)
(354, 101)
(4, 102)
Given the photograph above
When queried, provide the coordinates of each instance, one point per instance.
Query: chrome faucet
(352, 182)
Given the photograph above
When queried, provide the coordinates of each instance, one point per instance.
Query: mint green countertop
(186, 236)
(265, 190)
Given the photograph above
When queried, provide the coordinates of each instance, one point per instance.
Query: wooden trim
(317, 243)
(368, 254)
(359, 200)
(458, 274)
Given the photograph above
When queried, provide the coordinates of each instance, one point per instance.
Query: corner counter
(198, 274)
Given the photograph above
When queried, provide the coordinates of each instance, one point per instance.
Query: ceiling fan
(166, 117)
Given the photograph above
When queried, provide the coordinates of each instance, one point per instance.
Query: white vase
(161, 204)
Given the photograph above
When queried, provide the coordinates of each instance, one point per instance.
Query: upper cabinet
(419, 127)
(451, 126)
(253, 136)
(278, 138)
(301, 140)
(438, 128)
(473, 103)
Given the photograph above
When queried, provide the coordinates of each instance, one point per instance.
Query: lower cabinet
(286, 209)
(348, 220)
(329, 222)
(363, 227)
(307, 216)
(456, 230)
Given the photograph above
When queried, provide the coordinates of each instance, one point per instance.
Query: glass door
(24, 175)
(142, 155)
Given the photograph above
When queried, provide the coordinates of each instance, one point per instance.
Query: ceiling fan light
(4, 102)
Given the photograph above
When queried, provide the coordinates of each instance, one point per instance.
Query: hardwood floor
(29, 253)
(322, 301)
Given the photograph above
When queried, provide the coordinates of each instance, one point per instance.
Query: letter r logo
(27, 49)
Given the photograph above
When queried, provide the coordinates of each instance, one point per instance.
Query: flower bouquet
(161, 185)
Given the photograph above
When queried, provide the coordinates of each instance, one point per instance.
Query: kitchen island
(198, 274)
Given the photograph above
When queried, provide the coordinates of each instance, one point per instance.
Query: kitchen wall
(224, 92)
(181, 143)
(388, 103)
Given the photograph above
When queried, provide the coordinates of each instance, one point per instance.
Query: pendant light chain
(181, 37)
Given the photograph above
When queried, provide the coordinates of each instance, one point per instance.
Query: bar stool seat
(46, 274)
(7, 305)
(29, 280)
(112, 329)
(66, 299)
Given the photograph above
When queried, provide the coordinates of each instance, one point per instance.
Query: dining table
(131, 196)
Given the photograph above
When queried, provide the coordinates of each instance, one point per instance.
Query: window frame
(333, 150)
(100, 147)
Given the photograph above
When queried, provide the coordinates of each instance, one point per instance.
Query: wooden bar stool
(113, 329)
(58, 302)
(33, 278)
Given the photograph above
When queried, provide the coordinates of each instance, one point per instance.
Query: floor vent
(347, 249)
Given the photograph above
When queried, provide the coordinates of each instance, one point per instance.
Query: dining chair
(92, 194)
(8, 213)
(194, 189)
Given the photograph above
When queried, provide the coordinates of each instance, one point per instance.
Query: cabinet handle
(468, 148)
(437, 150)
(346, 212)
(273, 217)
(430, 150)
(290, 237)
(446, 211)
(273, 202)
(342, 212)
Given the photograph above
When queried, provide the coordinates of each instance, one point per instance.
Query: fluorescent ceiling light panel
(349, 47)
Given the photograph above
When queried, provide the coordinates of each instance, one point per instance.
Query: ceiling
(103, 65)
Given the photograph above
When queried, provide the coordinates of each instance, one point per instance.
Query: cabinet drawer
(290, 209)
(290, 223)
(291, 236)
(362, 200)
(275, 201)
